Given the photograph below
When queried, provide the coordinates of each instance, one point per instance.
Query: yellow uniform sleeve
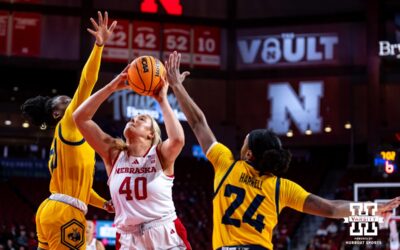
(220, 157)
(96, 200)
(87, 81)
(292, 195)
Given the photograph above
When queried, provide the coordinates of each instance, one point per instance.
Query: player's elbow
(91, 80)
(89, 76)
(178, 142)
(77, 117)
(199, 123)
(316, 205)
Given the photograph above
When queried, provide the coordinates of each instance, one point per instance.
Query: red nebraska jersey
(140, 190)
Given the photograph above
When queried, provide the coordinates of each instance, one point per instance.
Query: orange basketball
(144, 75)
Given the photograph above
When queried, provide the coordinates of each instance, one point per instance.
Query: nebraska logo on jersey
(143, 170)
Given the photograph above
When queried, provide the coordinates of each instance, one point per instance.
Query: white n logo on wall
(303, 110)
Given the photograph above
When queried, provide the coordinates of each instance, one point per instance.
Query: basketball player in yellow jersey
(60, 219)
(249, 194)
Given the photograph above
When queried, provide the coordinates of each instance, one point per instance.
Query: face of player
(140, 125)
(60, 104)
(89, 230)
(244, 151)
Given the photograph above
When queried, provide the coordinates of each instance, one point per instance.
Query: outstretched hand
(101, 30)
(386, 208)
(174, 77)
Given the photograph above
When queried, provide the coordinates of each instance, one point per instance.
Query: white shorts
(170, 235)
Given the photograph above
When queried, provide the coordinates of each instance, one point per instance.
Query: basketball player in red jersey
(140, 170)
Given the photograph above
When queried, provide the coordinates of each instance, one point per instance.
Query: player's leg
(40, 231)
(128, 241)
(65, 226)
(170, 235)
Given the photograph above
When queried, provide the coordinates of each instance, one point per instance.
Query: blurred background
(324, 75)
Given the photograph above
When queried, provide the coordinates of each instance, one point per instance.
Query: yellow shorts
(60, 226)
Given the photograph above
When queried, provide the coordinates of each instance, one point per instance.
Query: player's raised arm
(193, 113)
(101, 142)
(102, 33)
(173, 145)
(338, 209)
(91, 69)
(90, 72)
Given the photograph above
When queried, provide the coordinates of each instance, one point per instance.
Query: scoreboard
(199, 45)
(385, 161)
(25, 34)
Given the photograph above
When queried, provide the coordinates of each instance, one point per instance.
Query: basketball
(144, 75)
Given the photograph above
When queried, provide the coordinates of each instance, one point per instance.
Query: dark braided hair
(269, 156)
(39, 111)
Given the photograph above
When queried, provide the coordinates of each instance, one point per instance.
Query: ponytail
(275, 161)
(120, 144)
(269, 156)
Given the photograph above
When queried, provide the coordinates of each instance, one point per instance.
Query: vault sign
(287, 49)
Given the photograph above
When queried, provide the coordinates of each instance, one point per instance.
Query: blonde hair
(120, 144)
(156, 130)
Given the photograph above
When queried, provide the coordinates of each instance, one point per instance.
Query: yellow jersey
(246, 205)
(72, 160)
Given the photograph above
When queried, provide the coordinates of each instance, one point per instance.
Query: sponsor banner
(301, 46)
(127, 104)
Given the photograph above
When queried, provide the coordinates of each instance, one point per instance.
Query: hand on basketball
(172, 65)
(161, 94)
(101, 32)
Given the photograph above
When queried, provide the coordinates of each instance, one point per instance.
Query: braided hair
(269, 156)
(39, 111)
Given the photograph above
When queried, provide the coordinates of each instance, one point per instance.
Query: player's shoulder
(217, 148)
(289, 185)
